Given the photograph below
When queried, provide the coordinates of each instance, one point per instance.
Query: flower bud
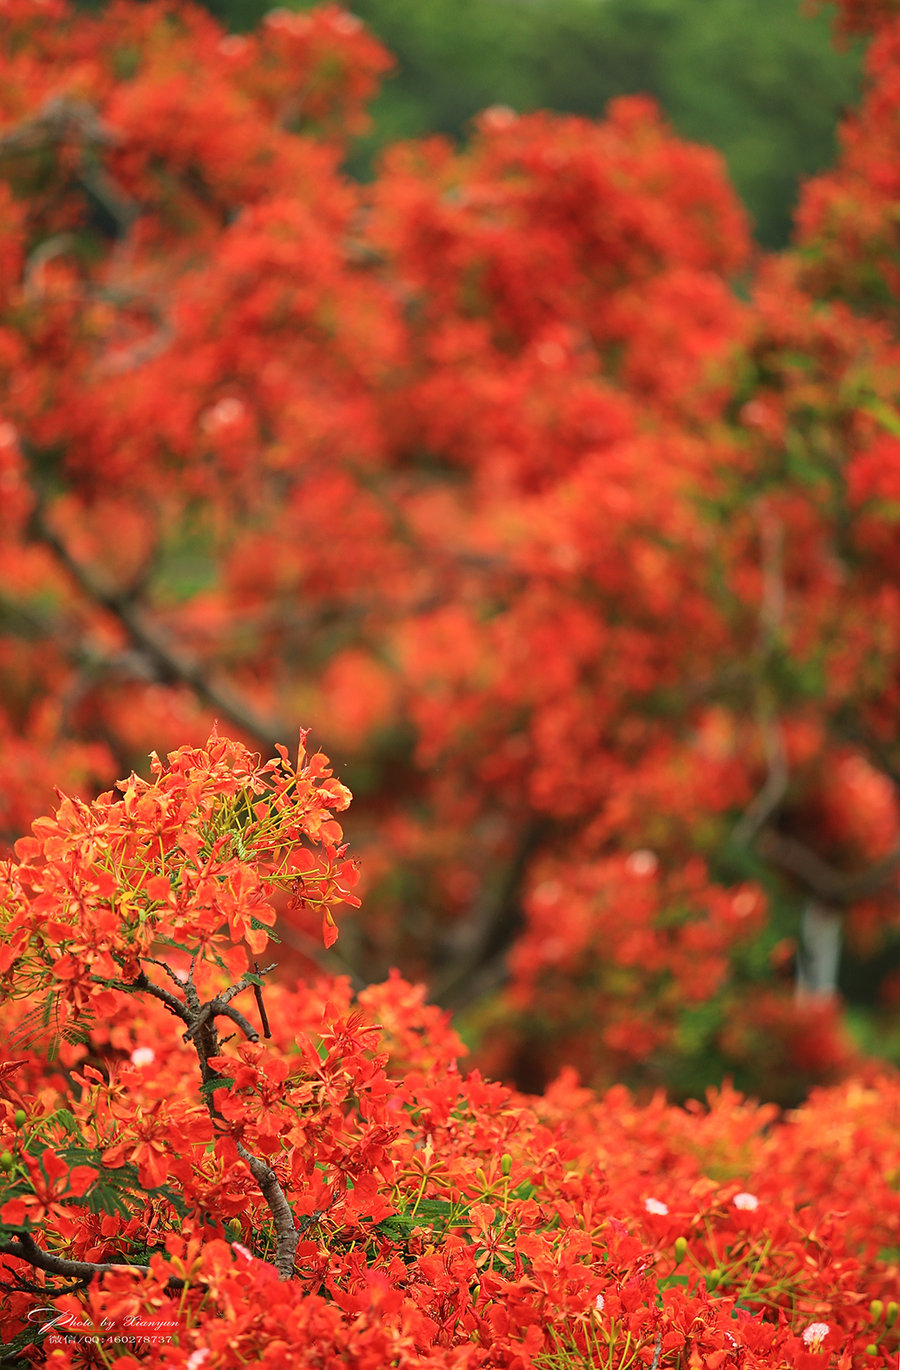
(506, 1163)
(876, 1308)
(890, 1316)
(680, 1248)
(6, 1161)
(20, 1117)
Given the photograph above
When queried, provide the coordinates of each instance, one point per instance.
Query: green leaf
(258, 926)
(221, 1082)
(167, 941)
(884, 413)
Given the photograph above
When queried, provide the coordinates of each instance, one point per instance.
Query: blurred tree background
(762, 83)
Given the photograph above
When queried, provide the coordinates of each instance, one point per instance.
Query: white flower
(198, 1358)
(642, 862)
(656, 1206)
(224, 413)
(815, 1334)
(499, 116)
(746, 1201)
(599, 1303)
(744, 903)
(232, 44)
(143, 1056)
(346, 23)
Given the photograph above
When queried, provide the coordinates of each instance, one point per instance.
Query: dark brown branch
(241, 985)
(163, 965)
(257, 992)
(491, 930)
(216, 1009)
(246, 1027)
(829, 885)
(19, 1285)
(165, 996)
(170, 665)
(25, 1248)
(202, 1033)
(221, 1007)
(62, 118)
(286, 1234)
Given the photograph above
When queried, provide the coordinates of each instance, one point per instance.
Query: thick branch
(767, 800)
(169, 664)
(62, 118)
(202, 1032)
(286, 1234)
(221, 1007)
(771, 621)
(25, 1248)
(492, 929)
(165, 996)
(829, 885)
(216, 1009)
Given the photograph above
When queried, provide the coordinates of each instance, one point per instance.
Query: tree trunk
(819, 953)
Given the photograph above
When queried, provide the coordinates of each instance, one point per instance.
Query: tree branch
(221, 1007)
(771, 620)
(829, 885)
(202, 1033)
(769, 797)
(170, 665)
(286, 1234)
(165, 996)
(25, 1248)
(491, 930)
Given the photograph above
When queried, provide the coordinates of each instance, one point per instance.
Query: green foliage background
(762, 82)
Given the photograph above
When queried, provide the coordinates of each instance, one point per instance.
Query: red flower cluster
(579, 555)
(343, 1194)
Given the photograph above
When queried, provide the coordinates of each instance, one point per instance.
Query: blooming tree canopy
(570, 523)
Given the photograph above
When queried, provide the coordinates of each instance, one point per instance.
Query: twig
(221, 1007)
(257, 991)
(241, 985)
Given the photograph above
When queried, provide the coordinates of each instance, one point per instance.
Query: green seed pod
(680, 1248)
(714, 1279)
(891, 1315)
(6, 1161)
(20, 1117)
(506, 1163)
(876, 1308)
(871, 1349)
